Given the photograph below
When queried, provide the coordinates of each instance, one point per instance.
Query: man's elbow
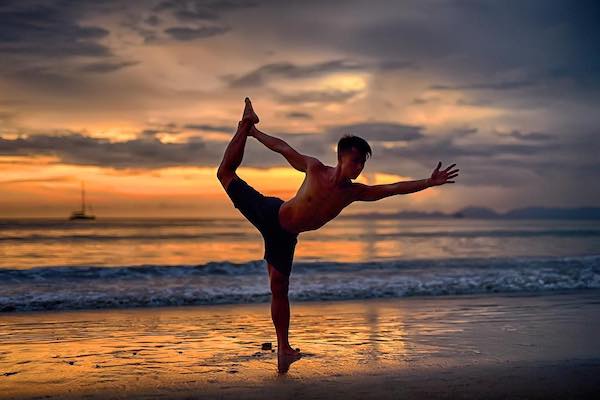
(374, 193)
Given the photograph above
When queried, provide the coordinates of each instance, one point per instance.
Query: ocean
(51, 264)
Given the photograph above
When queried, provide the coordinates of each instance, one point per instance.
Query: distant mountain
(555, 213)
(475, 212)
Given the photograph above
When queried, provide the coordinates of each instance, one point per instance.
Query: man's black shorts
(263, 213)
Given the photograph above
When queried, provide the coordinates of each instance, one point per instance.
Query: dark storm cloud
(498, 164)
(196, 11)
(380, 131)
(530, 162)
(48, 30)
(74, 148)
(516, 45)
(145, 152)
(262, 74)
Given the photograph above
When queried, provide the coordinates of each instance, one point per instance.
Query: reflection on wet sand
(79, 351)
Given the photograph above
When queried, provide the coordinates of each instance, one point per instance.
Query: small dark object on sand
(267, 346)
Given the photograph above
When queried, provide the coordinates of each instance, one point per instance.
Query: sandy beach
(492, 346)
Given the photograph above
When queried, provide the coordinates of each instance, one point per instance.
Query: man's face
(352, 163)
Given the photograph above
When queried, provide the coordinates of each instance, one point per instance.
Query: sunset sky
(139, 100)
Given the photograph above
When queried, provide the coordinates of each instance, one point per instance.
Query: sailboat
(81, 214)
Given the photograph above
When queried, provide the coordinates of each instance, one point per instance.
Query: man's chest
(317, 191)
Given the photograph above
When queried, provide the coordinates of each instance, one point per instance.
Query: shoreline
(417, 297)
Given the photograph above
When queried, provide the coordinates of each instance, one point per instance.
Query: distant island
(488, 213)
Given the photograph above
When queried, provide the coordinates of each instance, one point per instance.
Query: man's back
(318, 200)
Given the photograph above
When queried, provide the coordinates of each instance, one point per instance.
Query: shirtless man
(324, 193)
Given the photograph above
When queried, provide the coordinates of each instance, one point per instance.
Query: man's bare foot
(249, 113)
(289, 351)
(285, 358)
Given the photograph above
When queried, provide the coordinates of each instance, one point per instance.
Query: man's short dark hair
(347, 142)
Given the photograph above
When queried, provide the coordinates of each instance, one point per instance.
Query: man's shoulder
(314, 162)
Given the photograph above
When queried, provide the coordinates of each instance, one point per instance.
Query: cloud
(394, 65)
(530, 162)
(505, 85)
(288, 70)
(298, 115)
(528, 136)
(317, 96)
(75, 148)
(185, 34)
(556, 54)
(42, 30)
(186, 10)
(474, 102)
(380, 131)
(105, 67)
(422, 100)
(63, 178)
(210, 128)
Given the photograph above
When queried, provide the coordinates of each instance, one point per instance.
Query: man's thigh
(250, 202)
(279, 251)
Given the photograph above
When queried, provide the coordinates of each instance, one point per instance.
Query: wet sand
(515, 346)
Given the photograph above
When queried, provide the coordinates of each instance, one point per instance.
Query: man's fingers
(438, 166)
(446, 170)
(452, 176)
(449, 181)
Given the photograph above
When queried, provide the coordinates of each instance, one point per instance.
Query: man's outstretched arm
(378, 192)
(299, 161)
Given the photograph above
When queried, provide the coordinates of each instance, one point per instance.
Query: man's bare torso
(317, 202)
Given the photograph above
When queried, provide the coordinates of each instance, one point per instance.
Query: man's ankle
(244, 126)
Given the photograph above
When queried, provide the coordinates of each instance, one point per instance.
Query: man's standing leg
(280, 313)
(235, 149)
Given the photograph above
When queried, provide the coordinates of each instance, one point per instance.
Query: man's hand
(440, 177)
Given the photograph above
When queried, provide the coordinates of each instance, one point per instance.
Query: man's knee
(279, 283)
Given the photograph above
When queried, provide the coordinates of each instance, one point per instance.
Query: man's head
(352, 152)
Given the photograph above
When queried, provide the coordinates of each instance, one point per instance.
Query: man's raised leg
(234, 152)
